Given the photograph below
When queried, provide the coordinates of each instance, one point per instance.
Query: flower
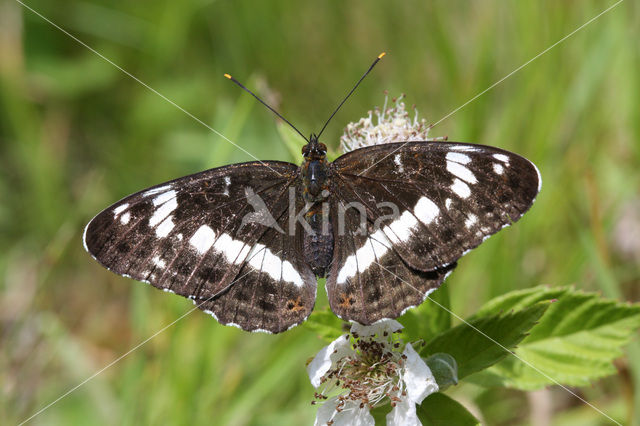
(369, 367)
(393, 125)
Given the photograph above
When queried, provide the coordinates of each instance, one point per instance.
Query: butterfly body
(385, 224)
(318, 238)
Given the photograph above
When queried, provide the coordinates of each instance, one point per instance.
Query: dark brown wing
(449, 196)
(368, 280)
(207, 237)
(425, 205)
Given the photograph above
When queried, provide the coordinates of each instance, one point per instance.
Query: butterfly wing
(214, 237)
(448, 198)
(368, 279)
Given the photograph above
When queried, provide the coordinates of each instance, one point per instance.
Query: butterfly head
(314, 150)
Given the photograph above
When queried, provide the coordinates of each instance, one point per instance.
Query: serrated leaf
(519, 299)
(429, 319)
(480, 343)
(574, 344)
(439, 409)
(326, 324)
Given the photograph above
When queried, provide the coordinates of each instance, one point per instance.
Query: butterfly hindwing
(275, 288)
(189, 236)
(368, 280)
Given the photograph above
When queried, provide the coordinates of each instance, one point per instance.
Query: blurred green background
(77, 134)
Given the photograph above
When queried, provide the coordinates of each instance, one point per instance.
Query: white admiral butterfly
(385, 224)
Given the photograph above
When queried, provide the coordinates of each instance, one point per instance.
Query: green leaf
(519, 299)
(429, 319)
(480, 343)
(574, 344)
(444, 369)
(326, 324)
(439, 409)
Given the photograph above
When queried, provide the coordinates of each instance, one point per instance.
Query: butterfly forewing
(449, 196)
(188, 236)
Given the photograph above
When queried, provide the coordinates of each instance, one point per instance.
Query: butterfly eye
(323, 147)
(305, 150)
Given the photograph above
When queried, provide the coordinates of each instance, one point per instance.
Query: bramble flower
(393, 125)
(369, 367)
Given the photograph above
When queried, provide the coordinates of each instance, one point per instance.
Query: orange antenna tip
(380, 56)
(228, 76)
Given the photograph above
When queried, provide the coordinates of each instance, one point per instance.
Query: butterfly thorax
(318, 238)
(314, 171)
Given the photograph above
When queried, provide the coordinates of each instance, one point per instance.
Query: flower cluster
(392, 125)
(370, 367)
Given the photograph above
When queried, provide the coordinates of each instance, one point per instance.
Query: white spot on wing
(498, 168)
(458, 158)
(120, 209)
(165, 227)
(501, 157)
(273, 266)
(203, 239)
(227, 182)
(380, 242)
(124, 219)
(426, 210)
(234, 250)
(398, 161)
(461, 188)
(470, 220)
(290, 274)
(158, 262)
(466, 148)
(364, 257)
(163, 211)
(164, 197)
(447, 203)
(157, 190)
(461, 171)
(401, 229)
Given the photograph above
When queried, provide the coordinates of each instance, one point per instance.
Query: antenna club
(380, 56)
(228, 76)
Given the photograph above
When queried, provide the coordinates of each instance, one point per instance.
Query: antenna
(380, 56)
(264, 103)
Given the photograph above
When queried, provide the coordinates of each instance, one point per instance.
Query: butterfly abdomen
(318, 243)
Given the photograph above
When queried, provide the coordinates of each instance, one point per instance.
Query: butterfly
(385, 224)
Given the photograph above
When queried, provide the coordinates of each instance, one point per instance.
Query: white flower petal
(388, 325)
(417, 376)
(403, 414)
(326, 411)
(351, 414)
(323, 361)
